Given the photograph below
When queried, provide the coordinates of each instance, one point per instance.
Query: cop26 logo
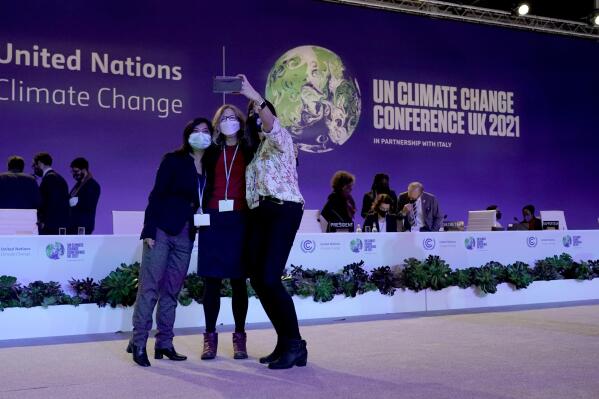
(356, 245)
(308, 246)
(428, 243)
(470, 243)
(55, 250)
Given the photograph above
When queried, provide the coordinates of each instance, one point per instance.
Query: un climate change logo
(567, 241)
(532, 242)
(316, 98)
(356, 245)
(55, 250)
(428, 243)
(308, 246)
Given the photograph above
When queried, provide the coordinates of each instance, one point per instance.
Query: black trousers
(211, 302)
(271, 232)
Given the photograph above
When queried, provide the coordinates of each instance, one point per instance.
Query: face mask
(229, 127)
(527, 218)
(382, 212)
(38, 172)
(199, 140)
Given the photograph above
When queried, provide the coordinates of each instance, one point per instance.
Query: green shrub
(39, 293)
(120, 286)
(415, 275)
(86, 290)
(9, 292)
(462, 278)
(439, 273)
(324, 290)
(519, 275)
(382, 278)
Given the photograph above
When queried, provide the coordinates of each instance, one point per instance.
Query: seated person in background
(497, 216)
(419, 210)
(17, 189)
(380, 185)
(380, 216)
(529, 218)
(340, 206)
(83, 198)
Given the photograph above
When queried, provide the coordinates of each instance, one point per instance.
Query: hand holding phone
(227, 84)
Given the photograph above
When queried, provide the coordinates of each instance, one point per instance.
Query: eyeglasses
(228, 118)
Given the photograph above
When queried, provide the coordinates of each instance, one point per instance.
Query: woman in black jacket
(380, 185)
(168, 235)
(340, 206)
(380, 215)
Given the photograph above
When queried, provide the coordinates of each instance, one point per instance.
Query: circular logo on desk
(55, 250)
(308, 246)
(532, 242)
(428, 243)
(470, 243)
(356, 245)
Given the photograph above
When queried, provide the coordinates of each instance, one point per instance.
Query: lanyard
(201, 190)
(229, 169)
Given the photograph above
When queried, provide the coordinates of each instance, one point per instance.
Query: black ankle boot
(140, 356)
(295, 353)
(171, 353)
(276, 353)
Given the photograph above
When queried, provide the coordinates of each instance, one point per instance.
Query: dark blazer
(174, 199)
(369, 198)
(372, 219)
(18, 191)
(84, 213)
(430, 207)
(53, 212)
(335, 210)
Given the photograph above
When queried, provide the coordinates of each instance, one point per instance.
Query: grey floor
(517, 352)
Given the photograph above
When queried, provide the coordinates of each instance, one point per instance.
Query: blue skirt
(221, 246)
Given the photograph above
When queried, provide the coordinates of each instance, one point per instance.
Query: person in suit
(17, 189)
(529, 218)
(380, 216)
(83, 198)
(53, 212)
(340, 206)
(419, 211)
(168, 235)
(380, 185)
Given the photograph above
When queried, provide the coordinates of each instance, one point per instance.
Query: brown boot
(210, 346)
(239, 346)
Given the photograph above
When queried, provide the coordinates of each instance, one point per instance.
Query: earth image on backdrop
(316, 98)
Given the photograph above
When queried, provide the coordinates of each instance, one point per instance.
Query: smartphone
(226, 84)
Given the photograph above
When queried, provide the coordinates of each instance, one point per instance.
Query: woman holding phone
(168, 235)
(221, 244)
(276, 209)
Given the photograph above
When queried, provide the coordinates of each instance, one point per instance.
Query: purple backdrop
(552, 165)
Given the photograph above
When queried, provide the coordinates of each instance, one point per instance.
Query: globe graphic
(316, 99)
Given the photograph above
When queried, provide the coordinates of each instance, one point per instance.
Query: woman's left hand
(247, 90)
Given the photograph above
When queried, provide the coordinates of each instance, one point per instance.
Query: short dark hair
(378, 178)
(492, 208)
(340, 179)
(531, 209)
(43, 157)
(188, 130)
(80, 163)
(16, 164)
(251, 126)
(382, 199)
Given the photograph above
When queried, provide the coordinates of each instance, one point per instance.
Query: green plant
(485, 278)
(462, 278)
(548, 269)
(382, 278)
(353, 280)
(519, 275)
(9, 292)
(39, 293)
(415, 275)
(594, 265)
(120, 286)
(194, 287)
(86, 290)
(439, 273)
(580, 271)
(324, 290)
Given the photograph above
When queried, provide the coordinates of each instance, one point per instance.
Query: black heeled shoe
(140, 356)
(276, 353)
(171, 353)
(295, 353)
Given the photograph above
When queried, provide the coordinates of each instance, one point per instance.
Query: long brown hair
(219, 137)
